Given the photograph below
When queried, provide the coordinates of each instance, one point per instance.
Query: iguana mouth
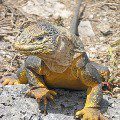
(32, 49)
(26, 47)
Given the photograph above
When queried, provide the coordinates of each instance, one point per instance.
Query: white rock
(46, 9)
(91, 16)
(102, 38)
(85, 29)
(92, 49)
(116, 90)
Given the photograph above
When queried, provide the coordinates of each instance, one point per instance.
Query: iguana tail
(75, 19)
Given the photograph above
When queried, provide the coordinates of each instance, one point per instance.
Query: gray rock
(104, 27)
(85, 29)
(15, 106)
(46, 9)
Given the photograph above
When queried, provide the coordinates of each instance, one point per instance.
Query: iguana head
(55, 45)
(37, 39)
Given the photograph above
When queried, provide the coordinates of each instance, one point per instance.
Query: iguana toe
(9, 81)
(90, 114)
(42, 94)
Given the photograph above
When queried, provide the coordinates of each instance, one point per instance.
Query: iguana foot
(9, 81)
(42, 94)
(90, 114)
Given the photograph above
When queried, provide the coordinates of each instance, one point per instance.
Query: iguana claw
(9, 81)
(90, 114)
(42, 94)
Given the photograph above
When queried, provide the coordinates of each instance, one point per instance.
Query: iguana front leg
(32, 73)
(21, 77)
(36, 78)
(90, 77)
(91, 110)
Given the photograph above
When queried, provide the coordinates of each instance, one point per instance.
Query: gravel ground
(15, 106)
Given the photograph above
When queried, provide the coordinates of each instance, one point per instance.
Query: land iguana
(57, 59)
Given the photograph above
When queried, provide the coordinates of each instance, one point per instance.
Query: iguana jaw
(31, 49)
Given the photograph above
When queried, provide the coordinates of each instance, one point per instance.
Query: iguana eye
(40, 38)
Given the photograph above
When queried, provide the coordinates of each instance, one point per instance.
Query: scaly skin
(57, 59)
(75, 77)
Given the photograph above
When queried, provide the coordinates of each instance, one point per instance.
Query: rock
(85, 29)
(102, 38)
(116, 90)
(46, 9)
(15, 106)
(106, 33)
(104, 27)
(91, 16)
